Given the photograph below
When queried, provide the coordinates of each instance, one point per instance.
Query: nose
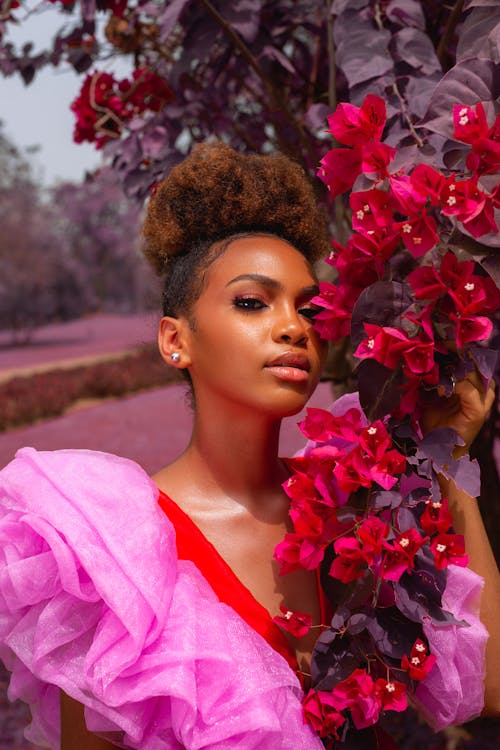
(290, 327)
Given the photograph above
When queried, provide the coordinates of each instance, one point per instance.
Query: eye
(249, 304)
(309, 312)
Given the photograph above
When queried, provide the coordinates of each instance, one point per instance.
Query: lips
(290, 359)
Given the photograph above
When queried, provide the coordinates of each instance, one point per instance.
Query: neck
(235, 455)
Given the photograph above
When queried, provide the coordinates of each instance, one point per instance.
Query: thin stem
(407, 117)
(332, 101)
(449, 30)
(274, 95)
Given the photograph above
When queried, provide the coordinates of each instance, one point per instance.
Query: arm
(74, 733)
(465, 412)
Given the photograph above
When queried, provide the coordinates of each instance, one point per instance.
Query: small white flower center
(463, 111)
(288, 615)
(451, 200)
(407, 228)
(360, 214)
(415, 660)
(372, 430)
(390, 687)
(469, 286)
(441, 547)
(417, 240)
(463, 120)
(366, 208)
(371, 343)
(420, 647)
(404, 542)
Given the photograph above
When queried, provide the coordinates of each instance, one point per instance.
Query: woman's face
(253, 344)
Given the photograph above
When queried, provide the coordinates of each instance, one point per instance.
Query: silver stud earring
(175, 356)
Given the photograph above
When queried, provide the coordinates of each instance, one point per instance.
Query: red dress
(193, 545)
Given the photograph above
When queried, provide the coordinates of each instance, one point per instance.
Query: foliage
(27, 399)
(72, 251)
(366, 505)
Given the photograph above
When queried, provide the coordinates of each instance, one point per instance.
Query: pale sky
(39, 114)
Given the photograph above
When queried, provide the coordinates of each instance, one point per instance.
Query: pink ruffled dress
(94, 601)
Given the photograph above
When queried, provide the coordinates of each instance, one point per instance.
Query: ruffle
(453, 691)
(93, 601)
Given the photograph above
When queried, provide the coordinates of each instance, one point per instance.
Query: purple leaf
(393, 633)
(480, 35)
(332, 660)
(418, 92)
(438, 445)
(386, 499)
(492, 264)
(339, 6)
(382, 303)
(169, 18)
(485, 360)
(415, 48)
(469, 82)
(244, 17)
(406, 13)
(379, 388)
(362, 50)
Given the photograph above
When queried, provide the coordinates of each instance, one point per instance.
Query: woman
(100, 607)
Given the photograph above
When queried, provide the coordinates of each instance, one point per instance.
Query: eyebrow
(267, 281)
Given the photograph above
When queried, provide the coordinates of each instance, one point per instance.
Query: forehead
(266, 255)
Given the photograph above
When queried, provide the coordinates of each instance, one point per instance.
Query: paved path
(101, 336)
(151, 428)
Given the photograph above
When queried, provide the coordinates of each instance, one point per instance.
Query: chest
(247, 547)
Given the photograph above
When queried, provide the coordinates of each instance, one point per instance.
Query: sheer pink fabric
(94, 601)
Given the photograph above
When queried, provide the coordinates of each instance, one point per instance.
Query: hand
(465, 411)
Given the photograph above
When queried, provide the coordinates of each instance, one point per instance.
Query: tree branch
(449, 30)
(274, 95)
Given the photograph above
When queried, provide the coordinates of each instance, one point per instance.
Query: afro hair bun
(216, 192)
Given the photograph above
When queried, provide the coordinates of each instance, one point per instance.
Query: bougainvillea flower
(469, 329)
(384, 344)
(400, 554)
(375, 158)
(447, 549)
(296, 623)
(362, 260)
(470, 123)
(403, 195)
(339, 169)
(351, 561)
(436, 518)
(321, 713)
(484, 157)
(391, 694)
(420, 662)
(375, 440)
(428, 182)
(321, 426)
(354, 126)
(470, 205)
(426, 283)
(334, 320)
(370, 210)
(418, 356)
(297, 553)
(385, 471)
(353, 471)
(419, 234)
(476, 294)
(371, 533)
(357, 693)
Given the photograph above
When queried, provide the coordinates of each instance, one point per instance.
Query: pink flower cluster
(105, 104)
(360, 694)
(410, 211)
(322, 482)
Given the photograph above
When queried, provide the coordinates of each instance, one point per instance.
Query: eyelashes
(254, 304)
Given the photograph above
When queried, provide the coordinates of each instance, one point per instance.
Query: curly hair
(217, 193)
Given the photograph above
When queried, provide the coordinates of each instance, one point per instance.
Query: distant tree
(67, 252)
(98, 229)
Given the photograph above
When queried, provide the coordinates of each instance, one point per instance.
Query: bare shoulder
(74, 733)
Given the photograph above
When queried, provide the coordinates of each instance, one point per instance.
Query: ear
(173, 338)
